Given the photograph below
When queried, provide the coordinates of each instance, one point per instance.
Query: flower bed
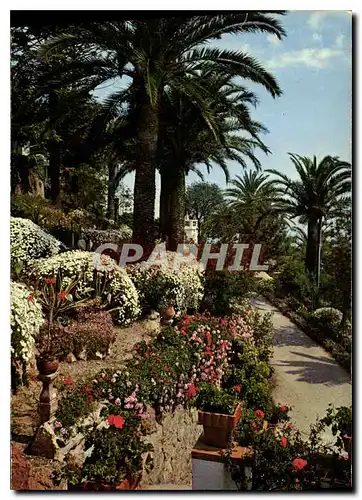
(99, 277)
(158, 288)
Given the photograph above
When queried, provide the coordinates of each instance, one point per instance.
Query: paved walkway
(306, 376)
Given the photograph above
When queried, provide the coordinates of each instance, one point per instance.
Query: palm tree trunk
(319, 252)
(165, 201)
(176, 190)
(54, 171)
(54, 154)
(312, 244)
(145, 181)
(110, 193)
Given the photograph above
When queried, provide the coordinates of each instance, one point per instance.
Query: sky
(314, 70)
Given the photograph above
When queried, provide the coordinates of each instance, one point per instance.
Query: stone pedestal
(209, 471)
(48, 399)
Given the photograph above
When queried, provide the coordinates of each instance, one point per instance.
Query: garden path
(306, 376)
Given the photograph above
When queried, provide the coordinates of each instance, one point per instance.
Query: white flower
(118, 284)
(26, 318)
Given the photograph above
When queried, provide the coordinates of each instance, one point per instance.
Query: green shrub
(100, 278)
(327, 320)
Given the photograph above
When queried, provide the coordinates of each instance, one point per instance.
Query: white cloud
(274, 40)
(317, 18)
(312, 58)
(317, 37)
(339, 41)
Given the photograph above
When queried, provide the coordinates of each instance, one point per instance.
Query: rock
(153, 315)
(45, 442)
(83, 355)
(73, 443)
(76, 457)
(70, 358)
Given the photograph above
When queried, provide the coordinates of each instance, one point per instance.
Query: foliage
(312, 197)
(99, 277)
(29, 242)
(294, 280)
(211, 398)
(117, 450)
(340, 421)
(25, 318)
(159, 287)
(99, 237)
(201, 199)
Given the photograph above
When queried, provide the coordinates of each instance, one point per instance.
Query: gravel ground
(306, 376)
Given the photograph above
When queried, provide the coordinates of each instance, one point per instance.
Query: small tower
(191, 229)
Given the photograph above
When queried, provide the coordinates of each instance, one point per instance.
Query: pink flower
(68, 381)
(284, 408)
(299, 463)
(58, 425)
(259, 413)
(254, 425)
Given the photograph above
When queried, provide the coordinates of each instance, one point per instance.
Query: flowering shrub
(26, 319)
(117, 449)
(99, 237)
(29, 242)
(158, 288)
(99, 277)
(328, 315)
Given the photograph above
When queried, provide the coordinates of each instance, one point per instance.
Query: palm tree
(312, 198)
(186, 141)
(155, 54)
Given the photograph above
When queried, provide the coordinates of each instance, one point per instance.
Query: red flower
(238, 388)
(299, 463)
(191, 391)
(116, 421)
(50, 281)
(147, 355)
(259, 413)
(254, 425)
(30, 298)
(284, 409)
(62, 295)
(284, 442)
(90, 399)
(166, 368)
(68, 381)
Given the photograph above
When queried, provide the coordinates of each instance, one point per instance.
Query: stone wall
(173, 441)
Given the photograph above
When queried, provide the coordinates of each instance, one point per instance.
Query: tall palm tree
(158, 53)
(186, 141)
(312, 198)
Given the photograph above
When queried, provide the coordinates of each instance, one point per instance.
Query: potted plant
(220, 412)
(114, 457)
(56, 298)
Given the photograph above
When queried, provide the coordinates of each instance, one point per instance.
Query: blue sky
(313, 68)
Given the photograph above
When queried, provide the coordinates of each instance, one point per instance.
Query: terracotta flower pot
(218, 426)
(167, 313)
(47, 366)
